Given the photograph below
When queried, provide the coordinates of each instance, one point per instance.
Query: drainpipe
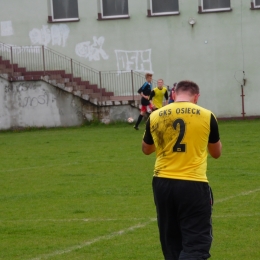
(242, 96)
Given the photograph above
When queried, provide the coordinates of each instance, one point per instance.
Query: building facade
(214, 43)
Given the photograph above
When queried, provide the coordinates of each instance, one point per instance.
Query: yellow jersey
(181, 132)
(157, 96)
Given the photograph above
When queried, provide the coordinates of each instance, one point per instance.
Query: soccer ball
(130, 120)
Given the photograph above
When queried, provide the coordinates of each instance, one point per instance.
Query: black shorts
(184, 211)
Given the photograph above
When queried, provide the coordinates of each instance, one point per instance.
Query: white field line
(238, 216)
(87, 243)
(56, 165)
(238, 195)
(78, 220)
(35, 167)
(121, 232)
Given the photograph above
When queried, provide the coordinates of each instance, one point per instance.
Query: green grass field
(85, 193)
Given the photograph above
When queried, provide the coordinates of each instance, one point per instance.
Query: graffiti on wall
(32, 95)
(6, 28)
(134, 60)
(21, 87)
(27, 98)
(56, 35)
(92, 51)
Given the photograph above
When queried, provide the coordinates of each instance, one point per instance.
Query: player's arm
(151, 97)
(215, 149)
(166, 96)
(214, 144)
(141, 91)
(148, 146)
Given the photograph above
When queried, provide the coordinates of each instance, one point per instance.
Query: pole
(242, 96)
(132, 79)
(71, 69)
(100, 83)
(12, 62)
(43, 60)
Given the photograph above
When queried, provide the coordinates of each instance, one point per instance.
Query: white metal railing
(42, 60)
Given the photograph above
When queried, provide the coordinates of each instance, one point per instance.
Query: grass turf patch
(85, 193)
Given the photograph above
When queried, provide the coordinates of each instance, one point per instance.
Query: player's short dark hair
(148, 75)
(187, 85)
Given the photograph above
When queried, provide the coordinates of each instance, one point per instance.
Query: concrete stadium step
(95, 95)
(124, 98)
(70, 84)
(22, 70)
(76, 79)
(87, 91)
(79, 87)
(66, 81)
(86, 83)
(98, 90)
(32, 77)
(55, 76)
(33, 73)
(5, 62)
(108, 94)
(17, 74)
(55, 72)
(6, 71)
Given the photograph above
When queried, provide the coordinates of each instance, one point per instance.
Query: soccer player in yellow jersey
(182, 134)
(158, 94)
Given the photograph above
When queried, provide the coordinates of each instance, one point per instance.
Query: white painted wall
(38, 104)
(213, 52)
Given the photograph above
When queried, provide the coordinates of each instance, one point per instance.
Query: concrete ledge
(4, 75)
(93, 101)
(77, 93)
(60, 85)
(68, 89)
(108, 103)
(85, 96)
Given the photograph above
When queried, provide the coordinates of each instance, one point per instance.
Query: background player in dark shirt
(171, 95)
(145, 92)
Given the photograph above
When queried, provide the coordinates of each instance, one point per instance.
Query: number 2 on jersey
(178, 146)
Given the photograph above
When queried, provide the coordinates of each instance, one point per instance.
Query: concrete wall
(213, 53)
(38, 104)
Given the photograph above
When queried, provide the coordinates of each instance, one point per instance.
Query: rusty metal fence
(44, 60)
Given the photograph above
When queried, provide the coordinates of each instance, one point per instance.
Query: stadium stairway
(75, 85)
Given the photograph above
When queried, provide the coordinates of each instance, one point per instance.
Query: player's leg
(195, 220)
(149, 108)
(169, 231)
(143, 111)
(152, 108)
